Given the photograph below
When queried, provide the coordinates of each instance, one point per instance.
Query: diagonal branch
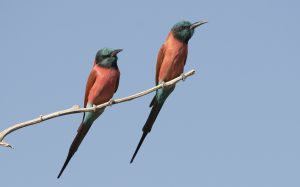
(77, 109)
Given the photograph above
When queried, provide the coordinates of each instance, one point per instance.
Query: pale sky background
(235, 123)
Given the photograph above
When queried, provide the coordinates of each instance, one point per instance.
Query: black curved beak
(115, 52)
(197, 24)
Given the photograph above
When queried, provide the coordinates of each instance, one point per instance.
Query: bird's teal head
(107, 57)
(184, 30)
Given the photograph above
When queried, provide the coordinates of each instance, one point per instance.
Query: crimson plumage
(170, 64)
(101, 85)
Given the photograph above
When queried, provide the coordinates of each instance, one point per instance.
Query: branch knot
(111, 102)
(41, 118)
(183, 77)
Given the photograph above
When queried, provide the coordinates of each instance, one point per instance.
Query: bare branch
(77, 109)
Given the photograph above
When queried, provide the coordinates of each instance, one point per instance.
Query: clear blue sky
(233, 124)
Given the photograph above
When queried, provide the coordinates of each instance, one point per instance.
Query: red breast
(174, 58)
(105, 85)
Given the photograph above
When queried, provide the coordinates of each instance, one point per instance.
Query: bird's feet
(183, 77)
(95, 108)
(163, 84)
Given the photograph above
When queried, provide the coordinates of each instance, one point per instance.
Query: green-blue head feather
(107, 57)
(184, 30)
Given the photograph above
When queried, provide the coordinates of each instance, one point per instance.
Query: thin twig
(77, 109)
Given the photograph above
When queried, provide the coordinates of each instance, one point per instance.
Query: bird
(170, 64)
(101, 85)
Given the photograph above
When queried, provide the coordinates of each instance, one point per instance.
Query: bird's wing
(186, 54)
(90, 82)
(117, 84)
(160, 58)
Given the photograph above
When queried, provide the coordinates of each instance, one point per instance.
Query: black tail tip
(59, 175)
(138, 146)
(61, 171)
(131, 160)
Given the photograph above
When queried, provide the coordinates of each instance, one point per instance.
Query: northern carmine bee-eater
(170, 64)
(101, 85)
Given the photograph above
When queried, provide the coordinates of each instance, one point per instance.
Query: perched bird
(170, 64)
(101, 85)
